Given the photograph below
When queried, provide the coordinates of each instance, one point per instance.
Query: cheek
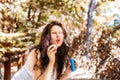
(53, 39)
(62, 37)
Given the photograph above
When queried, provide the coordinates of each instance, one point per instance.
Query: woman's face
(57, 35)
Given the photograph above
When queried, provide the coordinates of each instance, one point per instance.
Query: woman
(47, 60)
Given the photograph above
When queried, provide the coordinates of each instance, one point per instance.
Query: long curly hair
(62, 51)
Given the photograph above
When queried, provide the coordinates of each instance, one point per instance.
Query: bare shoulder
(34, 52)
(31, 61)
(32, 58)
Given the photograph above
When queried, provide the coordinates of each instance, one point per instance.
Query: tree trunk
(7, 67)
(39, 17)
(29, 12)
(90, 25)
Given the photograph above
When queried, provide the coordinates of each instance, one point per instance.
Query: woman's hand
(68, 69)
(51, 51)
(66, 73)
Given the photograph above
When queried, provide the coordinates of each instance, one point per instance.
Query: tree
(90, 26)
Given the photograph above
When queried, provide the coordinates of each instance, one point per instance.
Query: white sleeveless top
(53, 77)
(22, 74)
(25, 74)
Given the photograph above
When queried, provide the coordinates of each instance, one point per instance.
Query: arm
(30, 62)
(66, 73)
(51, 54)
(64, 76)
(47, 74)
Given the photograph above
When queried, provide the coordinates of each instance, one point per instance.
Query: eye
(53, 32)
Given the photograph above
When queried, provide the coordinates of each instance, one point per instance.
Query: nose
(58, 35)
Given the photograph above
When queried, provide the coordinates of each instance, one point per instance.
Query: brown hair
(62, 52)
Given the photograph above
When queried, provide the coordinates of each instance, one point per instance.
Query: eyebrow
(53, 31)
(56, 31)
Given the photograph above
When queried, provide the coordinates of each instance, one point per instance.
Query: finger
(69, 68)
(52, 46)
(69, 65)
(51, 49)
(53, 52)
(76, 65)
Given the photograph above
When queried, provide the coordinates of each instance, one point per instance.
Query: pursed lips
(58, 41)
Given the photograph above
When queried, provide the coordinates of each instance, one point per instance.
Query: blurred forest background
(93, 28)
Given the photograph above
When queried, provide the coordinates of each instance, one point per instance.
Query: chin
(58, 45)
